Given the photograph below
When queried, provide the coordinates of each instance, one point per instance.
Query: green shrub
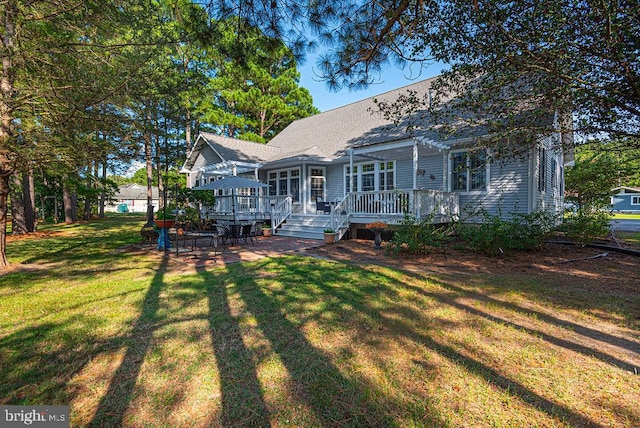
(585, 227)
(417, 236)
(497, 235)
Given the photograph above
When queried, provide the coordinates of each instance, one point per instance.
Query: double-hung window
(635, 200)
(468, 171)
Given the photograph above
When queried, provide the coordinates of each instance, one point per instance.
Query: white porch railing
(395, 204)
(340, 215)
(419, 203)
(442, 205)
(281, 211)
(260, 206)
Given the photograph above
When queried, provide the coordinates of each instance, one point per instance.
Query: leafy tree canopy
(600, 167)
(254, 92)
(502, 56)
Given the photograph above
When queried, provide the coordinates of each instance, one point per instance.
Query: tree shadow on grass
(242, 400)
(112, 406)
(31, 360)
(334, 399)
(579, 329)
(391, 318)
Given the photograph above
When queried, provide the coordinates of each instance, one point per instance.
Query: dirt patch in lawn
(553, 258)
(593, 278)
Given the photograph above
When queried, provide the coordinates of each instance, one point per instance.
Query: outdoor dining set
(217, 235)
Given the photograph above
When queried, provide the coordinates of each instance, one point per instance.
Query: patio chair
(325, 207)
(245, 233)
(257, 228)
(224, 232)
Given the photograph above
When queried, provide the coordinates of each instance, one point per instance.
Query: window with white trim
(370, 176)
(317, 183)
(387, 175)
(285, 182)
(635, 200)
(542, 169)
(468, 171)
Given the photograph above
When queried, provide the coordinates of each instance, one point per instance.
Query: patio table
(213, 237)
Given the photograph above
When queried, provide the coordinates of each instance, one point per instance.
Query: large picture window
(468, 171)
(285, 182)
(370, 176)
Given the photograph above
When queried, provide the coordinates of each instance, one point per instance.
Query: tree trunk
(149, 165)
(5, 177)
(103, 190)
(18, 220)
(86, 215)
(6, 119)
(29, 191)
(187, 132)
(161, 188)
(69, 200)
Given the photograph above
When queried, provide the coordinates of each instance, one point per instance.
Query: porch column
(306, 194)
(350, 171)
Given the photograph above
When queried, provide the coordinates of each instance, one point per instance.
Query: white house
(364, 169)
(133, 198)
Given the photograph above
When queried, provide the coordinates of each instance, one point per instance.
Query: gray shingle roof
(328, 135)
(356, 124)
(135, 191)
(324, 136)
(241, 150)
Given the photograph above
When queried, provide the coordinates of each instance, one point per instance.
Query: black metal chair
(224, 232)
(245, 233)
(325, 207)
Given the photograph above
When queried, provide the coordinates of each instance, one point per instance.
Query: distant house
(357, 166)
(626, 199)
(133, 198)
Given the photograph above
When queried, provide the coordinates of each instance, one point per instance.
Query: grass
(299, 341)
(624, 216)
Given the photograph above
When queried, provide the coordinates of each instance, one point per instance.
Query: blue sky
(391, 78)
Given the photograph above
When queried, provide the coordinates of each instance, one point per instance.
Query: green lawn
(622, 216)
(297, 341)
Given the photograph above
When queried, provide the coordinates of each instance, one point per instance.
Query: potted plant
(165, 219)
(329, 236)
(266, 230)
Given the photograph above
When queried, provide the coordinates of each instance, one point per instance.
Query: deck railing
(281, 211)
(261, 206)
(340, 215)
(398, 203)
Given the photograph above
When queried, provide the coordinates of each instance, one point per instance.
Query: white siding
(335, 180)
(404, 174)
(432, 166)
(507, 192)
(206, 157)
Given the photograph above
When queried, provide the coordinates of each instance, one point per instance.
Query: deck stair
(309, 226)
